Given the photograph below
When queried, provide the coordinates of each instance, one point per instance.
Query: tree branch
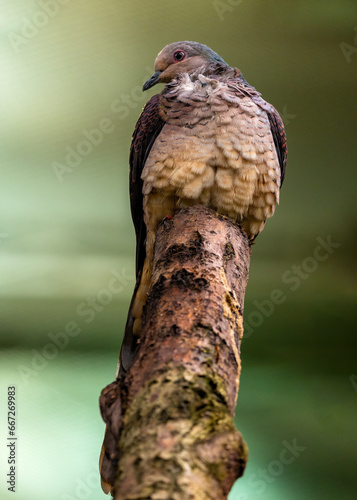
(177, 439)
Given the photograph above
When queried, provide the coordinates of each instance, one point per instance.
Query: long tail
(135, 317)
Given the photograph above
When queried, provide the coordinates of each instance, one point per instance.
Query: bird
(207, 138)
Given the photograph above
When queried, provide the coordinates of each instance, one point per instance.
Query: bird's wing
(146, 131)
(276, 123)
(279, 136)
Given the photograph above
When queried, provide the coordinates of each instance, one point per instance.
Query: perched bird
(208, 138)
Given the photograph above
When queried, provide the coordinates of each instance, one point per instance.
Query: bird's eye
(179, 55)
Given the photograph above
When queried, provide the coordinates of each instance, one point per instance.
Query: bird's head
(181, 57)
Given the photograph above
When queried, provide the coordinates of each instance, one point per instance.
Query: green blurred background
(69, 67)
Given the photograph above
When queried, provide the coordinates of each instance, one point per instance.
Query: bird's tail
(135, 318)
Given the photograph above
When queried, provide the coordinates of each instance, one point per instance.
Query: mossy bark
(177, 439)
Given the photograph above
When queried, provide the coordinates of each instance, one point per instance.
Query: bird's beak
(152, 81)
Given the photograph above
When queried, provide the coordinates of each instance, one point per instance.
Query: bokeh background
(69, 68)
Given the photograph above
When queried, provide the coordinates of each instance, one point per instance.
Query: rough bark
(177, 439)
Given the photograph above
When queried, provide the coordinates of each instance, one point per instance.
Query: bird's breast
(216, 148)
